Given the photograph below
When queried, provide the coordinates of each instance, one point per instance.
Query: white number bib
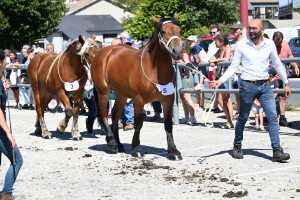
(71, 86)
(166, 89)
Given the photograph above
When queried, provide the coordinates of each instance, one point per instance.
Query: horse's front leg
(68, 112)
(137, 150)
(174, 154)
(75, 132)
(120, 102)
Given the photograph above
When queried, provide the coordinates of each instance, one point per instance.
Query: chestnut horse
(61, 75)
(138, 75)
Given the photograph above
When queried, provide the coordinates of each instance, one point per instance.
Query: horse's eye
(162, 32)
(86, 54)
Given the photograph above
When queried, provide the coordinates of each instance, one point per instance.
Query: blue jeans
(13, 171)
(127, 116)
(91, 104)
(264, 93)
(156, 107)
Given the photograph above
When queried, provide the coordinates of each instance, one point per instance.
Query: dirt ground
(61, 168)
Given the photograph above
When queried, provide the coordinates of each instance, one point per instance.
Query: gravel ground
(61, 168)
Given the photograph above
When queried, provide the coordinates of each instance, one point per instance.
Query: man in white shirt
(254, 53)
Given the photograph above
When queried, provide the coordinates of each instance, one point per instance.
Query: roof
(75, 25)
(285, 23)
(250, 7)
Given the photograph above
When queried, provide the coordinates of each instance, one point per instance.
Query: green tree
(24, 21)
(195, 17)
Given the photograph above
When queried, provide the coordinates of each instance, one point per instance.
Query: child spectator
(258, 113)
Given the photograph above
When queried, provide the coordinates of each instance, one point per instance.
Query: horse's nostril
(174, 51)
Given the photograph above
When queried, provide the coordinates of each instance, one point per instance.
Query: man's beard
(256, 35)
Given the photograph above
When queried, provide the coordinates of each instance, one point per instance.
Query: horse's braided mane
(157, 29)
(75, 41)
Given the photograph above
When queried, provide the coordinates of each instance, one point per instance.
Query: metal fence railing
(179, 88)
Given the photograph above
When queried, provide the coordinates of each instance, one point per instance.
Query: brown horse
(137, 74)
(62, 75)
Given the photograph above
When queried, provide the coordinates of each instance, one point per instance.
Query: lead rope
(156, 84)
(211, 101)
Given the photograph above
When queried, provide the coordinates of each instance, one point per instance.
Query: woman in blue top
(7, 140)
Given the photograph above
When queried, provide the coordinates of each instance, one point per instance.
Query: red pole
(244, 14)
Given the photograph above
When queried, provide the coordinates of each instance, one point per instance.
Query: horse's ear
(93, 37)
(156, 20)
(176, 15)
(81, 39)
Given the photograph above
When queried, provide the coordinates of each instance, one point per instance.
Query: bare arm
(6, 129)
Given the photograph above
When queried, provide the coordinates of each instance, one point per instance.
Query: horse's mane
(157, 29)
(76, 41)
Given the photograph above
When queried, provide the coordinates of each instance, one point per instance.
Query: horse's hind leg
(102, 99)
(137, 150)
(116, 114)
(174, 154)
(41, 101)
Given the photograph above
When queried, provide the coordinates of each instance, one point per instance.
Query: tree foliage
(195, 17)
(24, 21)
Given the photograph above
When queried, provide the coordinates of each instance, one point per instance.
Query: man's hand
(287, 90)
(215, 84)
(297, 71)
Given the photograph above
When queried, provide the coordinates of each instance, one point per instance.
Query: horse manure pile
(149, 165)
(87, 155)
(70, 149)
(236, 194)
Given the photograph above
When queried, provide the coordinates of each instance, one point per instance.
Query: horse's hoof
(59, 132)
(113, 148)
(174, 157)
(77, 138)
(38, 132)
(138, 154)
(48, 137)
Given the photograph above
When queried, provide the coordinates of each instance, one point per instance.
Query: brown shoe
(129, 127)
(7, 196)
(120, 126)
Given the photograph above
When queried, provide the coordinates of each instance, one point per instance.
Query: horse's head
(168, 31)
(87, 48)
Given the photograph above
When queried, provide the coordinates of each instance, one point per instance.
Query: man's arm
(280, 70)
(294, 65)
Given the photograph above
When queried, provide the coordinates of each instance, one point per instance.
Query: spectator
(127, 117)
(255, 84)
(50, 48)
(283, 51)
(237, 30)
(196, 57)
(26, 92)
(274, 85)
(123, 36)
(212, 49)
(21, 56)
(116, 41)
(7, 140)
(223, 55)
(13, 77)
(187, 82)
(258, 114)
